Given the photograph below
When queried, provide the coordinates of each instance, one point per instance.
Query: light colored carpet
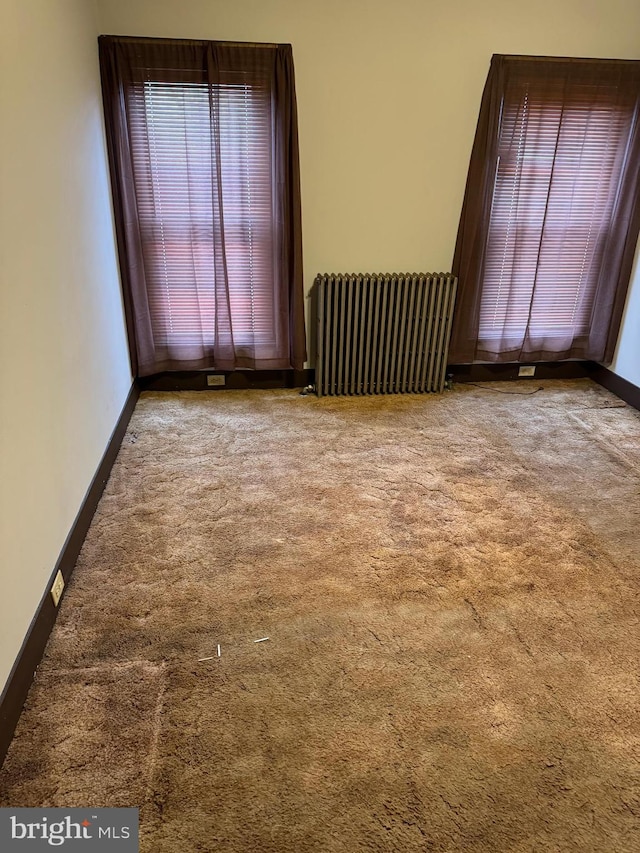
(450, 590)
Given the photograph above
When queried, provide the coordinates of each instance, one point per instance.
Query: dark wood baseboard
(622, 388)
(509, 371)
(15, 692)
(196, 380)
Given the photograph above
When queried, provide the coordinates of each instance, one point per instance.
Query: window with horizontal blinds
(177, 175)
(551, 212)
(561, 154)
(203, 153)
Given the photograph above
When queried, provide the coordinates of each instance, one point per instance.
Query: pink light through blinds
(176, 182)
(560, 163)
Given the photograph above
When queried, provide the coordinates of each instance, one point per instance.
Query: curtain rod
(146, 39)
(525, 58)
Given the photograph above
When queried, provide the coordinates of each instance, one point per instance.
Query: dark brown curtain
(551, 212)
(203, 147)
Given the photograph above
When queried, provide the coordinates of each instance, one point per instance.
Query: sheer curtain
(203, 150)
(551, 213)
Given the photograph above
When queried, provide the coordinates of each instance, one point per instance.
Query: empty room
(319, 426)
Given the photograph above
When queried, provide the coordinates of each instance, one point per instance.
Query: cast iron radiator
(383, 334)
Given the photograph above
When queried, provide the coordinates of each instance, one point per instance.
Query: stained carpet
(449, 587)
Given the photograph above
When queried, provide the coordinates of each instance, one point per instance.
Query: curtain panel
(551, 211)
(203, 149)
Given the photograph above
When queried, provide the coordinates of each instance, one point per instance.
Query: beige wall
(64, 370)
(626, 361)
(388, 98)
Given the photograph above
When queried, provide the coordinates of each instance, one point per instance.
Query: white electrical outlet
(527, 370)
(215, 379)
(57, 587)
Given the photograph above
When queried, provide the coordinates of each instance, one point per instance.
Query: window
(559, 205)
(174, 177)
(212, 260)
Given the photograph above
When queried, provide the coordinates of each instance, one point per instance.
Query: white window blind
(199, 214)
(561, 155)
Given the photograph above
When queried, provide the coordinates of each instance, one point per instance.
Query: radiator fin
(383, 334)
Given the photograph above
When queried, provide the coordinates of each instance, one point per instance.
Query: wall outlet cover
(57, 587)
(215, 379)
(527, 370)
